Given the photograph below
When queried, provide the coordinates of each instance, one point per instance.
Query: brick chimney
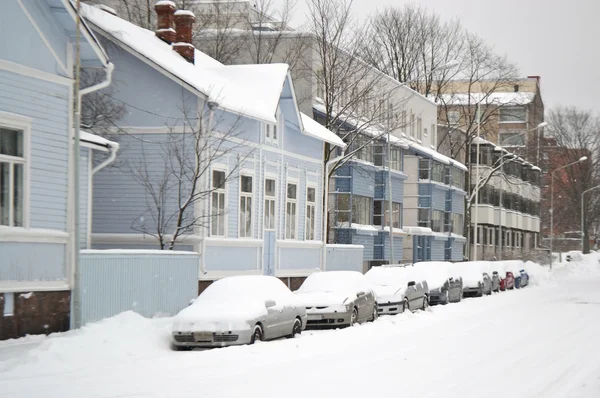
(164, 20)
(184, 21)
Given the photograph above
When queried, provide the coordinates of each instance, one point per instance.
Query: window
(362, 208)
(396, 159)
(291, 214)
(423, 217)
(273, 131)
(218, 203)
(434, 140)
(12, 167)
(438, 171)
(457, 223)
(342, 208)
(245, 222)
(378, 154)
(512, 138)
(9, 304)
(378, 215)
(269, 217)
(390, 114)
(412, 125)
(404, 121)
(363, 147)
(311, 202)
(396, 214)
(513, 114)
(424, 169)
(419, 129)
(321, 84)
(458, 178)
(437, 220)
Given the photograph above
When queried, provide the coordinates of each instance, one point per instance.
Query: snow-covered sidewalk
(538, 341)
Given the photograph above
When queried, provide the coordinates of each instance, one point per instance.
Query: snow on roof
(496, 98)
(165, 3)
(536, 168)
(318, 131)
(418, 230)
(234, 88)
(97, 141)
(437, 156)
(184, 12)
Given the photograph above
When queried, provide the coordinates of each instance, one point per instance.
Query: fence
(149, 282)
(345, 258)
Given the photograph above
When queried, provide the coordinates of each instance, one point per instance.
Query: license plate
(315, 317)
(203, 336)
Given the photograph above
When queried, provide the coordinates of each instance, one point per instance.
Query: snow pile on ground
(588, 266)
(125, 335)
(538, 275)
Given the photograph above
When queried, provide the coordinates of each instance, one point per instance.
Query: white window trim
(23, 123)
(278, 126)
(246, 173)
(297, 201)
(224, 169)
(314, 186)
(270, 176)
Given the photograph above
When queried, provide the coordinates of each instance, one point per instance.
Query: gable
(40, 44)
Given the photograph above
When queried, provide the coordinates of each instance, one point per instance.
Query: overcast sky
(558, 40)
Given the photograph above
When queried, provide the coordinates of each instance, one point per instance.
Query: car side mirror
(360, 294)
(270, 303)
(411, 283)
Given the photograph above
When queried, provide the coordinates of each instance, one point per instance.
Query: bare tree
(99, 110)
(179, 182)
(575, 133)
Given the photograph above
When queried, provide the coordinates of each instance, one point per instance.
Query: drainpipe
(113, 154)
(326, 213)
(76, 319)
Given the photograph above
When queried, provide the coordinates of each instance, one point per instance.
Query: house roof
(495, 98)
(249, 90)
(317, 130)
(437, 156)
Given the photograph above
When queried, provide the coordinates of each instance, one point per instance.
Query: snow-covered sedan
(475, 277)
(398, 289)
(239, 310)
(445, 284)
(337, 298)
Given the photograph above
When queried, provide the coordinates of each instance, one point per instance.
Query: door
(269, 252)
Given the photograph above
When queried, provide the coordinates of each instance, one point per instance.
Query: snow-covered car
(398, 289)
(574, 255)
(337, 298)
(514, 267)
(508, 281)
(524, 278)
(496, 270)
(239, 310)
(475, 277)
(445, 285)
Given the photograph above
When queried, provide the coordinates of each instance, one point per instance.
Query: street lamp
(539, 126)
(582, 159)
(326, 210)
(582, 219)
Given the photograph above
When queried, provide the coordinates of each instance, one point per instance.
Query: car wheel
(375, 313)
(354, 317)
(406, 305)
(296, 329)
(425, 303)
(257, 334)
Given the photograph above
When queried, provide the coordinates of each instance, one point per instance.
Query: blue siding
(458, 202)
(398, 246)
(425, 195)
(84, 178)
(343, 179)
(127, 246)
(457, 250)
(437, 250)
(363, 180)
(25, 46)
(368, 242)
(341, 258)
(149, 284)
(438, 197)
(232, 258)
(32, 261)
(48, 106)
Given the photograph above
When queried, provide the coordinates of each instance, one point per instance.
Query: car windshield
(334, 281)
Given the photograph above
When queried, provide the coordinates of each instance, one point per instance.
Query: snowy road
(537, 342)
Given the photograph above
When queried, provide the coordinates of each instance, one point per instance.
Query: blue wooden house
(261, 190)
(37, 223)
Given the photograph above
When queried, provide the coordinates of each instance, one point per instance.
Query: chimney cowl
(164, 20)
(184, 21)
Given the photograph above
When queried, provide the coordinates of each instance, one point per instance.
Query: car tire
(375, 313)
(425, 303)
(406, 305)
(257, 334)
(296, 328)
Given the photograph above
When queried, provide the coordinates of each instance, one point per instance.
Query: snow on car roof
(260, 287)
(333, 281)
(390, 276)
(436, 273)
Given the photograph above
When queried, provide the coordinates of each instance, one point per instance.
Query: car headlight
(348, 307)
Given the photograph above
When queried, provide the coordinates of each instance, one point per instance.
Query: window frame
(504, 109)
(223, 191)
(21, 123)
(247, 195)
(266, 198)
(291, 201)
(314, 217)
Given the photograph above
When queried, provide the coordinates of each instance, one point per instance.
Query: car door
(273, 321)
(362, 303)
(412, 295)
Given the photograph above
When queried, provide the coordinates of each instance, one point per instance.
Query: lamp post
(539, 126)
(325, 209)
(582, 159)
(582, 215)
(449, 65)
